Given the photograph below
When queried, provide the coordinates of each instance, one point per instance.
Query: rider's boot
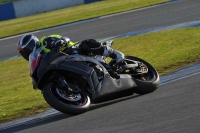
(114, 54)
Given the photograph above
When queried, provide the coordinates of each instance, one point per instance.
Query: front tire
(66, 104)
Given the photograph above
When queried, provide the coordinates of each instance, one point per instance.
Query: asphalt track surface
(173, 108)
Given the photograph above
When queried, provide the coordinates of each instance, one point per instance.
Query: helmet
(26, 44)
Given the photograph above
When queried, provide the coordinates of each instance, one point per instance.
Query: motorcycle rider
(88, 47)
(54, 42)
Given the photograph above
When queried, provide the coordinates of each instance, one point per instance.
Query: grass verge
(166, 51)
(5, 1)
(72, 14)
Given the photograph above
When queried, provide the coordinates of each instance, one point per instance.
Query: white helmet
(26, 44)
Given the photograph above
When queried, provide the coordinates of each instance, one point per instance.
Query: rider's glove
(66, 40)
(60, 43)
(57, 45)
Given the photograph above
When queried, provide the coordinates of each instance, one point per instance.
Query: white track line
(83, 21)
(180, 78)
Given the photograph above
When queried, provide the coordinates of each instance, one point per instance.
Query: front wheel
(61, 101)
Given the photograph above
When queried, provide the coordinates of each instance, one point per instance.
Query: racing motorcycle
(71, 82)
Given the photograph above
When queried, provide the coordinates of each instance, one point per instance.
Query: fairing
(34, 59)
(72, 63)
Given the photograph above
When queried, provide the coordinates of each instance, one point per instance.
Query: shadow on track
(56, 117)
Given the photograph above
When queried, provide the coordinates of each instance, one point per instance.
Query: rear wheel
(59, 99)
(145, 76)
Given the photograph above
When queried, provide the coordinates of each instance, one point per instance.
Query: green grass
(17, 98)
(166, 51)
(72, 14)
(4, 1)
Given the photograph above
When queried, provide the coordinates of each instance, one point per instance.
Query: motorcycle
(71, 82)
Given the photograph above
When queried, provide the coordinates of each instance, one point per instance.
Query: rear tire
(68, 105)
(146, 86)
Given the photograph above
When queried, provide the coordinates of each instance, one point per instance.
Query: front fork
(65, 86)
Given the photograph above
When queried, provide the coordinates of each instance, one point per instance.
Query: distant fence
(23, 8)
(7, 11)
